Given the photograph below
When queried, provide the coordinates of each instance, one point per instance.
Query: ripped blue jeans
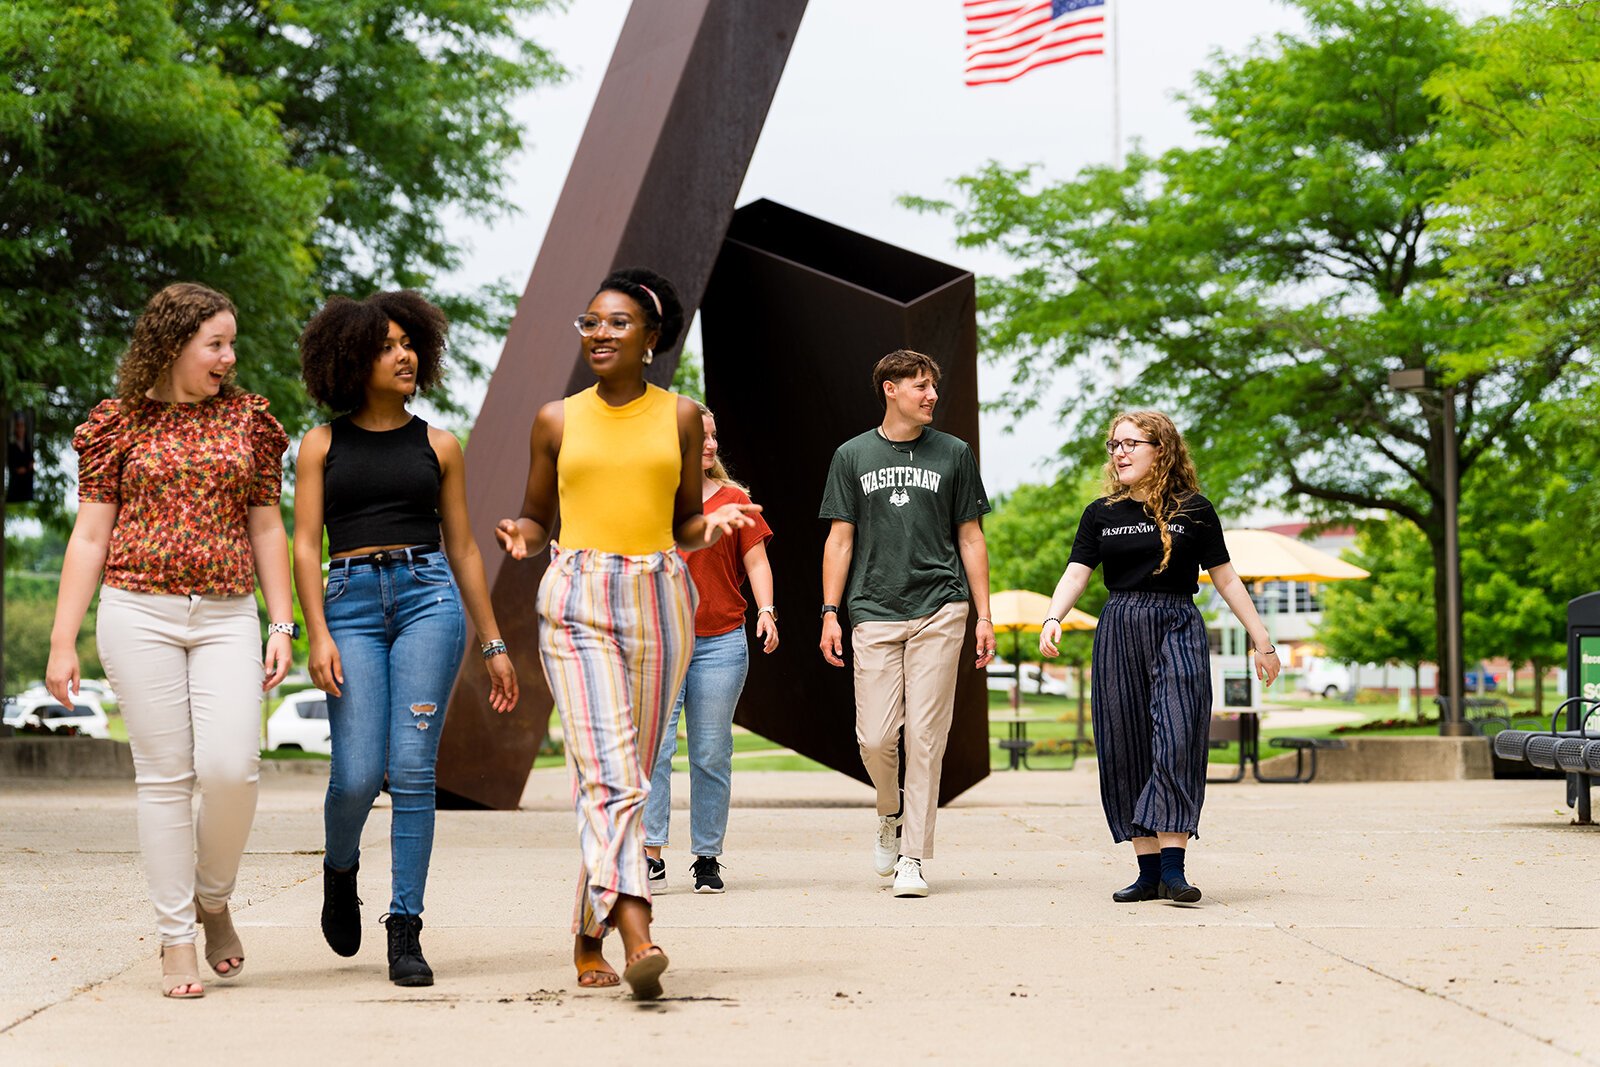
(400, 632)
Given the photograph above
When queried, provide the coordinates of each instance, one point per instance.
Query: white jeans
(187, 671)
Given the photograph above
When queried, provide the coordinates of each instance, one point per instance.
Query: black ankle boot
(341, 910)
(1174, 887)
(406, 965)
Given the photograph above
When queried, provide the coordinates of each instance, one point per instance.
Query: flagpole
(1116, 83)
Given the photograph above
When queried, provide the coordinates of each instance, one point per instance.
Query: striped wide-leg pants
(1152, 713)
(616, 636)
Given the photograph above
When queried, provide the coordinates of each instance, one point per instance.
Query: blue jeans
(400, 633)
(710, 693)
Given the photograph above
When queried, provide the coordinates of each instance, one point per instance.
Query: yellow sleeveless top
(617, 472)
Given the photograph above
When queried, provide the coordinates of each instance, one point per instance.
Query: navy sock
(1171, 862)
(1149, 870)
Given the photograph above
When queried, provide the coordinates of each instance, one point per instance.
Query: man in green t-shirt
(905, 501)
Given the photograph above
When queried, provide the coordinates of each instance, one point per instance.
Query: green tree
(1524, 101)
(1387, 618)
(1262, 285)
(402, 107)
(126, 163)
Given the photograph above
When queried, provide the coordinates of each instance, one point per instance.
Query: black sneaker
(341, 910)
(707, 874)
(406, 965)
(658, 874)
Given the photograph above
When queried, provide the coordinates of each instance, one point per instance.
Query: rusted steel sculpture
(654, 182)
(797, 312)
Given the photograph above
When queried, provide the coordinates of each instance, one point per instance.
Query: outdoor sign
(1589, 667)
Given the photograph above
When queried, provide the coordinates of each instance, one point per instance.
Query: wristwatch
(290, 628)
(830, 607)
(770, 609)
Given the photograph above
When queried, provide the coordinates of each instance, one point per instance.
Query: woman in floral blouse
(178, 485)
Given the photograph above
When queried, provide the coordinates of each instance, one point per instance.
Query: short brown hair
(899, 365)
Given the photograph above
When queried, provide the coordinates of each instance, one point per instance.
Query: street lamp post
(1453, 721)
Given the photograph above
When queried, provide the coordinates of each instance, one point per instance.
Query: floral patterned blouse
(185, 476)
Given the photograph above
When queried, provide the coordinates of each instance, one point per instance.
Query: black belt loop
(386, 557)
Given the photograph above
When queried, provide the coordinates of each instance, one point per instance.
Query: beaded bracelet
(494, 648)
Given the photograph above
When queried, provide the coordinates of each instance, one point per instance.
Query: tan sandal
(222, 940)
(179, 970)
(644, 970)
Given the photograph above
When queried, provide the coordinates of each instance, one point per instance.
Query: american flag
(1008, 38)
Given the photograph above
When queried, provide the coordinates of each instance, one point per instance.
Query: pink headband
(656, 299)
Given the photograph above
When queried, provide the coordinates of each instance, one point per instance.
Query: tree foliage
(125, 163)
(1263, 285)
(281, 152)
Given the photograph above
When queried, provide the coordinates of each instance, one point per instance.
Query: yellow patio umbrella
(1264, 556)
(1022, 611)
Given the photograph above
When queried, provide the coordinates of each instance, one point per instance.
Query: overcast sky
(872, 105)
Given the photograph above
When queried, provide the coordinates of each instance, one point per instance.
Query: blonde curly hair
(1171, 480)
(168, 321)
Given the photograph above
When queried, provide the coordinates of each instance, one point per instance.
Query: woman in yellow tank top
(621, 460)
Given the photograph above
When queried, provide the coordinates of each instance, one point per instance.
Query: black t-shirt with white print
(1123, 536)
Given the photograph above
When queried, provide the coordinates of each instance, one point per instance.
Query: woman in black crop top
(1151, 681)
(387, 635)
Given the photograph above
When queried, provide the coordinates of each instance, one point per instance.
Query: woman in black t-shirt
(1151, 685)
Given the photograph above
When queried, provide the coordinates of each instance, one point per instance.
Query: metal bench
(1570, 752)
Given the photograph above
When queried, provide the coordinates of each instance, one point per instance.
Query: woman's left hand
(502, 683)
(279, 658)
(1267, 667)
(728, 518)
(767, 630)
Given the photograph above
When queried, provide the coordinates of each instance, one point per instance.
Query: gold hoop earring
(649, 355)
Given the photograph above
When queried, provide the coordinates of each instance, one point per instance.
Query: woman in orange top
(716, 677)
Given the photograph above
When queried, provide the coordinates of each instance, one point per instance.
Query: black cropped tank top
(380, 487)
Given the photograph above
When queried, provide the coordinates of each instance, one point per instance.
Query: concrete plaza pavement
(1419, 923)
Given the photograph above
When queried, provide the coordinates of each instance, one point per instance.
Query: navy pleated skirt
(1152, 713)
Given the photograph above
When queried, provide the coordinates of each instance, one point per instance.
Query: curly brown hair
(168, 321)
(343, 340)
(1171, 480)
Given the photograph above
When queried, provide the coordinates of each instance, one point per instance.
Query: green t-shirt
(905, 500)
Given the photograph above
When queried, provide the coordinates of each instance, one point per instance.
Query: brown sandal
(222, 940)
(644, 970)
(179, 970)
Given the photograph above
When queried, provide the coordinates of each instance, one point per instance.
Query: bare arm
(759, 569)
(467, 564)
(324, 665)
(1074, 580)
(836, 554)
(80, 574)
(530, 531)
(269, 544)
(975, 559)
(1231, 588)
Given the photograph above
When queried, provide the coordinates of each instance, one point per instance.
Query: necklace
(910, 453)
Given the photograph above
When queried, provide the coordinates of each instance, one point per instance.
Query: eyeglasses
(588, 325)
(1127, 444)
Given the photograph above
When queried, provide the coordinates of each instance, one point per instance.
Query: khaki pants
(905, 674)
(187, 671)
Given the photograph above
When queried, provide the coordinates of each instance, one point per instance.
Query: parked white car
(1002, 675)
(301, 722)
(37, 708)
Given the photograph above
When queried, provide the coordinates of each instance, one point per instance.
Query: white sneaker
(887, 846)
(908, 880)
